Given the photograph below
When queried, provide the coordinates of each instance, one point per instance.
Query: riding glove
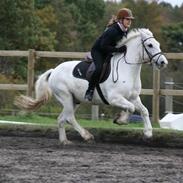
(122, 49)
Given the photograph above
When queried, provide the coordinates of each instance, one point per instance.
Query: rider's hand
(122, 49)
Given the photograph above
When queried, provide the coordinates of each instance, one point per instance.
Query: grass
(104, 131)
(30, 118)
(107, 124)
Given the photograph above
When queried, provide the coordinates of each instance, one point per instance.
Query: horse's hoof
(91, 141)
(121, 118)
(66, 142)
(120, 123)
(148, 134)
(88, 136)
(147, 139)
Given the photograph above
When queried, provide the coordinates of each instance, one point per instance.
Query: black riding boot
(92, 83)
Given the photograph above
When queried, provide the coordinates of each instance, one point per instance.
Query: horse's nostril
(162, 62)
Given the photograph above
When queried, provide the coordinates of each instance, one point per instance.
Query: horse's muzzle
(162, 62)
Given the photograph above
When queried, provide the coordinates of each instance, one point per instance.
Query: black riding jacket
(106, 43)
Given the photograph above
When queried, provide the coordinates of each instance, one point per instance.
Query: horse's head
(152, 51)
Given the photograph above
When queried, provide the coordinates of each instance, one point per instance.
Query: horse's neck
(134, 51)
(129, 66)
(127, 72)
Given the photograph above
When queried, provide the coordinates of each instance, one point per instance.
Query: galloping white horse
(121, 89)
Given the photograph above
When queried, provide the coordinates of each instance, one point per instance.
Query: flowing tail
(42, 92)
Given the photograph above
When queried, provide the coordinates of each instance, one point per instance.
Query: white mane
(133, 34)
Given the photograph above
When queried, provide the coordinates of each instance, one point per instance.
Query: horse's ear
(142, 35)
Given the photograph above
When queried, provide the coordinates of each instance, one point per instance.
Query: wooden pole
(95, 112)
(168, 98)
(30, 72)
(13, 87)
(156, 94)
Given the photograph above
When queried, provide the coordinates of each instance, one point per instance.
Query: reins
(138, 63)
(117, 66)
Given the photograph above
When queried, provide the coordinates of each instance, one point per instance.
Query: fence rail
(33, 55)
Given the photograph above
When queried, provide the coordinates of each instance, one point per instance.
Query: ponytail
(112, 21)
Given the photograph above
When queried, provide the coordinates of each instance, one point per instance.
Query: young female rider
(104, 46)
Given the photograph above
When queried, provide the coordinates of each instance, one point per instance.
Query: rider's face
(127, 22)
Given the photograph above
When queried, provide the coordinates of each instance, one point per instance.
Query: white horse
(121, 89)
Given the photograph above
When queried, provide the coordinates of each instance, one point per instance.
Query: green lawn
(103, 130)
(32, 118)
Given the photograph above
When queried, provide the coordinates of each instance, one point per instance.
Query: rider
(104, 46)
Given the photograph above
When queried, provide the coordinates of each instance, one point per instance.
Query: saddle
(85, 69)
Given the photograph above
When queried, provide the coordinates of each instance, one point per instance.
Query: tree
(89, 17)
(66, 31)
(22, 29)
(146, 14)
(173, 36)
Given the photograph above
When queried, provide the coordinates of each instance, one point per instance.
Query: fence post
(30, 72)
(156, 94)
(95, 112)
(169, 99)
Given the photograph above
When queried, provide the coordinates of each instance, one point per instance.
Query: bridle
(148, 53)
(144, 49)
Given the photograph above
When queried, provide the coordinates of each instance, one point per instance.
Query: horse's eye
(150, 45)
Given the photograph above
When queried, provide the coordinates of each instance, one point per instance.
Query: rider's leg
(98, 60)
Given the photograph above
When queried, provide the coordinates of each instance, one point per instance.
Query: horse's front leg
(119, 101)
(128, 107)
(145, 115)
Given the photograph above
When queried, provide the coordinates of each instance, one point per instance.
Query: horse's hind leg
(67, 115)
(83, 132)
(64, 116)
(61, 129)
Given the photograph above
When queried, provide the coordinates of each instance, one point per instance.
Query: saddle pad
(81, 68)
